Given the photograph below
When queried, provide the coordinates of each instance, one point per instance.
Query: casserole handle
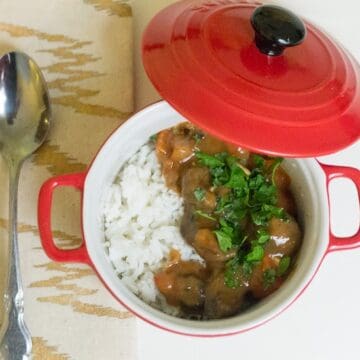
(80, 254)
(333, 172)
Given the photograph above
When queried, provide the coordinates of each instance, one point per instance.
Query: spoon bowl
(24, 124)
(24, 106)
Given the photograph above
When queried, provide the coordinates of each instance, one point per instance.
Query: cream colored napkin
(84, 48)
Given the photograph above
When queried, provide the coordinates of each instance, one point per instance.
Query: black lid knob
(276, 28)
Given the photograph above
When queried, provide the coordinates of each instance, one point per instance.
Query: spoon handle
(16, 343)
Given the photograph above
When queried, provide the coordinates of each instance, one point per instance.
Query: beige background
(143, 11)
(84, 48)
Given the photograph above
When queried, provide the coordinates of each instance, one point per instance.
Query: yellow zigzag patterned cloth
(84, 48)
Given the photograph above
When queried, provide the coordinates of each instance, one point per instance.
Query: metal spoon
(24, 124)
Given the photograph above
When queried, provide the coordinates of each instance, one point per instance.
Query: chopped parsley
(256, 254)
(198, 136)
(199, 194)
(153, 138)
(269, 277)
(204, 215)
(225, 236)
(259, 161)
(262, 236)
(231, 271)
(252, 196)
(283, 265)
(274, 167)
(224, 240)
(211, 161)
(217, 166)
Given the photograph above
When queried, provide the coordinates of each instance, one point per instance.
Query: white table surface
(324, 324)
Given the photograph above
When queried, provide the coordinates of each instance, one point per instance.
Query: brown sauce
(240, 217)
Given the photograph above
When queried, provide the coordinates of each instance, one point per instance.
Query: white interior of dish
(308, 183)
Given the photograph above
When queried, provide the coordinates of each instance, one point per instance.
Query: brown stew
(240, 217)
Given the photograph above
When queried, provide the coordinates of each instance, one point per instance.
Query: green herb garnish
(225, 236)
(199, 194)
(153, 138)
(198, 136)
(252, 196)
(259, 161)
(263, 215)
(247, 268)
(262, 236)
(224, 240)
(217, 165)
(238, 179)
(231, 271)
(269, 277)
(283, 265)
(274, 167)
(204, 215)
(210, 161)
(256, 254)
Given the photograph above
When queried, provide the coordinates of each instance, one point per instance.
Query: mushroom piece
(285, 237)
(220, 300)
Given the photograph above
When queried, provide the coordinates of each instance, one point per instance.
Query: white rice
(141, 223)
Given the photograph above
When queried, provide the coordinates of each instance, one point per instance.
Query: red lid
(300, 101)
